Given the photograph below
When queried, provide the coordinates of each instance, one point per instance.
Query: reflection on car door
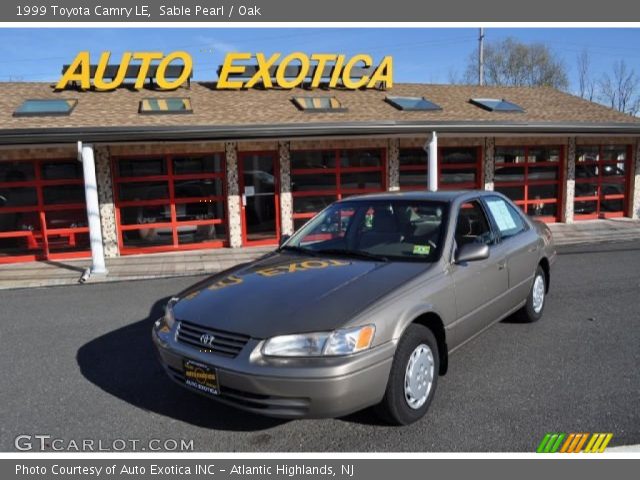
(479, 286)
(522, 247)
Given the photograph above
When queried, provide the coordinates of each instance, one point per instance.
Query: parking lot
(78, 364)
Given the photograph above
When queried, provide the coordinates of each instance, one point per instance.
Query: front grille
(224, 343)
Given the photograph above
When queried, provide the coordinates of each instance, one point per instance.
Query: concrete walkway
(162, 265)
(596, 231)
(130, 267)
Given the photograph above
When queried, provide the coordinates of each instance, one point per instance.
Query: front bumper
(286, 388)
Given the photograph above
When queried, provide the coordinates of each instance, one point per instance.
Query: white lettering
(249, 11)
(71, 11)
(101, 11)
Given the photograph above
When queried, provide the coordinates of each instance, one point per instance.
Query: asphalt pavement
(78, 365)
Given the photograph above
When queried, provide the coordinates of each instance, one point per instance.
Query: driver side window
(333, 227)
(472, 225)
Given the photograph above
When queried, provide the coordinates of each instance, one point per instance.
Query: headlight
(352, 340)
(303, 345)
(339, 342)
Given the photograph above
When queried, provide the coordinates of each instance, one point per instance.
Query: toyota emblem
(207, 339)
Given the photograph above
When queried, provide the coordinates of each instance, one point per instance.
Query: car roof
(438, 196)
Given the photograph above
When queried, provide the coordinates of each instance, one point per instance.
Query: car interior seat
(464, 229)
(384, 229)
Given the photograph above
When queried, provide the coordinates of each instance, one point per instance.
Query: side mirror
(472, 252)
(283, 239)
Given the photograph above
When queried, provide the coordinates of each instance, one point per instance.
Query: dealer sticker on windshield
(421, 249)
(201, 377)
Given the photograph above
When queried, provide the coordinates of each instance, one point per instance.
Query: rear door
(521, 245)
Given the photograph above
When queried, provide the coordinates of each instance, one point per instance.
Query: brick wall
(105, 197)
(234, 209)
(35, 153)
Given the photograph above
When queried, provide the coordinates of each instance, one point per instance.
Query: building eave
(275, 131)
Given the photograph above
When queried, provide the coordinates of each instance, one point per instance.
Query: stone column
(393, 165)
(106, 204)
(635, 183)
(286, 198)
(489, 162)
(234, 212)
(570, 182)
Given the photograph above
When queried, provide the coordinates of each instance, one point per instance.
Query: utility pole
(481, 58)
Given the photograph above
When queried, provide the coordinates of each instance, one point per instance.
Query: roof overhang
(278, 131)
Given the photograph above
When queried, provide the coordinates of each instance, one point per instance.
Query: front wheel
(533, 309)
(413, 378)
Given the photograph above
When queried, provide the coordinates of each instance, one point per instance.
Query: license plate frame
(201, 377)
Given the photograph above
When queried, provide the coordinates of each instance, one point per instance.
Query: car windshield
(383, 230)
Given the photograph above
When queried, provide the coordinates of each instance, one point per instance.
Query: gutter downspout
(432, 149)
(85, 155)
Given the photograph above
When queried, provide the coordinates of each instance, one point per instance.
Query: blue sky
(420, 55)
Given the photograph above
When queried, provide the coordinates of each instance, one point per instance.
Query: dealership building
(198, 167)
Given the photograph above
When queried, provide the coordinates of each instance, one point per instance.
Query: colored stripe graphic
(573, 442)
(598, 442)
(551, 443)
(567, 444)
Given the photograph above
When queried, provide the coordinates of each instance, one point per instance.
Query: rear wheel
(413, 378)
(533, 309)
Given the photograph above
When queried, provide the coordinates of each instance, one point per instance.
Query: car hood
(290, 293)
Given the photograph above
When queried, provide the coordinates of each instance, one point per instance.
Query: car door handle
(502, 264)
(533, 249)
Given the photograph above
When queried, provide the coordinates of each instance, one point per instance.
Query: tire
(533, 310)
(418, 346)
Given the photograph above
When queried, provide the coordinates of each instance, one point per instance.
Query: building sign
(81, 72)
(276, 71)
(272, 71)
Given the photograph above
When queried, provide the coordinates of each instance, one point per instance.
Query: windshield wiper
(294, 248)
(354, 253)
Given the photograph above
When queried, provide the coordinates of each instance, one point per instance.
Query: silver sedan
(361, 307)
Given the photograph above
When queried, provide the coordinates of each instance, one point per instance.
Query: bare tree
(586, 84)
(454, 77)
(620, 90)
(513, 63)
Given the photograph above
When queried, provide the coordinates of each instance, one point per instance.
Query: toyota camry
(361, 307)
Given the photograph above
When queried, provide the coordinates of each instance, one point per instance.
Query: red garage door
(602, 181)
(170, 202)
(43, 214)
(320, 177)
(532, 178)
(459, 168)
